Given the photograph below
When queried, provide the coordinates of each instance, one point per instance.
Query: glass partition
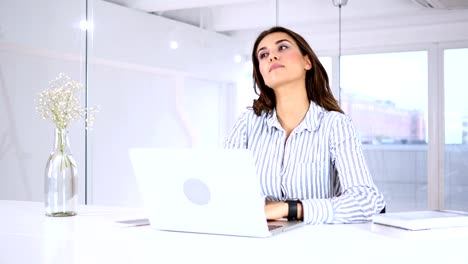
(38, 40)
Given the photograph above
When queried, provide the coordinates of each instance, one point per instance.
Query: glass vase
(61, 196)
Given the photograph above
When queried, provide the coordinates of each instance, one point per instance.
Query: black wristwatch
(292, 210)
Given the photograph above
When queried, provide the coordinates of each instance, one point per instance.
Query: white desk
(27, 236)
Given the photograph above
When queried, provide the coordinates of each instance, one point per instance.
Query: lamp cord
(276, 12)
(339, 53)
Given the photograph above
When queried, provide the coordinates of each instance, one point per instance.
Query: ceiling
(316, 20)
(241, 16)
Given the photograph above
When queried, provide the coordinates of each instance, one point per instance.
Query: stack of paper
(420, 220)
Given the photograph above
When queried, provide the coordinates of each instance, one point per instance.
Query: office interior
(179, 73)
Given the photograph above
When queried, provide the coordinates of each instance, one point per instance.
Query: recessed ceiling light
(173, 45)
(85, 25)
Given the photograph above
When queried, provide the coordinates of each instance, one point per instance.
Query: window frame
(436, 106)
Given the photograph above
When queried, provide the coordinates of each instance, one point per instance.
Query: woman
(307, 153)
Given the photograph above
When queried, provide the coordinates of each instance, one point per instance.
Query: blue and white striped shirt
(321, 164)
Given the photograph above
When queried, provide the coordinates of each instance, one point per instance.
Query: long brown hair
(316, 80)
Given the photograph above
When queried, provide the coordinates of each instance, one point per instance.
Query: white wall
(131, 36)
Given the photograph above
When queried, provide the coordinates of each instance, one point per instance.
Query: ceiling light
(85, 25)
(339, 2)
(173, 45)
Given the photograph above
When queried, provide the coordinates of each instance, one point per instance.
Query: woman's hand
(277, 210)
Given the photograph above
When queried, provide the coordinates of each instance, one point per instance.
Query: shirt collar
(310, 122)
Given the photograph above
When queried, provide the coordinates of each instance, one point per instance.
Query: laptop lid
(212, 191)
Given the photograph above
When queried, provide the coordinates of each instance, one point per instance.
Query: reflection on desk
(27, 236)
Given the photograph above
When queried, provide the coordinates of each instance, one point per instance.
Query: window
(386, 96)
(456, 128)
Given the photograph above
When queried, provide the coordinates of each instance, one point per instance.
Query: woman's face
(280, 60)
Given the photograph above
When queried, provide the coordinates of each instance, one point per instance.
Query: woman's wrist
(300, 209)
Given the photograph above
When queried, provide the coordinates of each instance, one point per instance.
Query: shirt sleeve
(359, 198)
(237, 136)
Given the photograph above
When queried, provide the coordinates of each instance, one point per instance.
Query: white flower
(60, 103)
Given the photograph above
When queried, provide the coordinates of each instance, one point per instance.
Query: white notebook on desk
(421, 220)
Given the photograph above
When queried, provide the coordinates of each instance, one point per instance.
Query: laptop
(211, 191)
